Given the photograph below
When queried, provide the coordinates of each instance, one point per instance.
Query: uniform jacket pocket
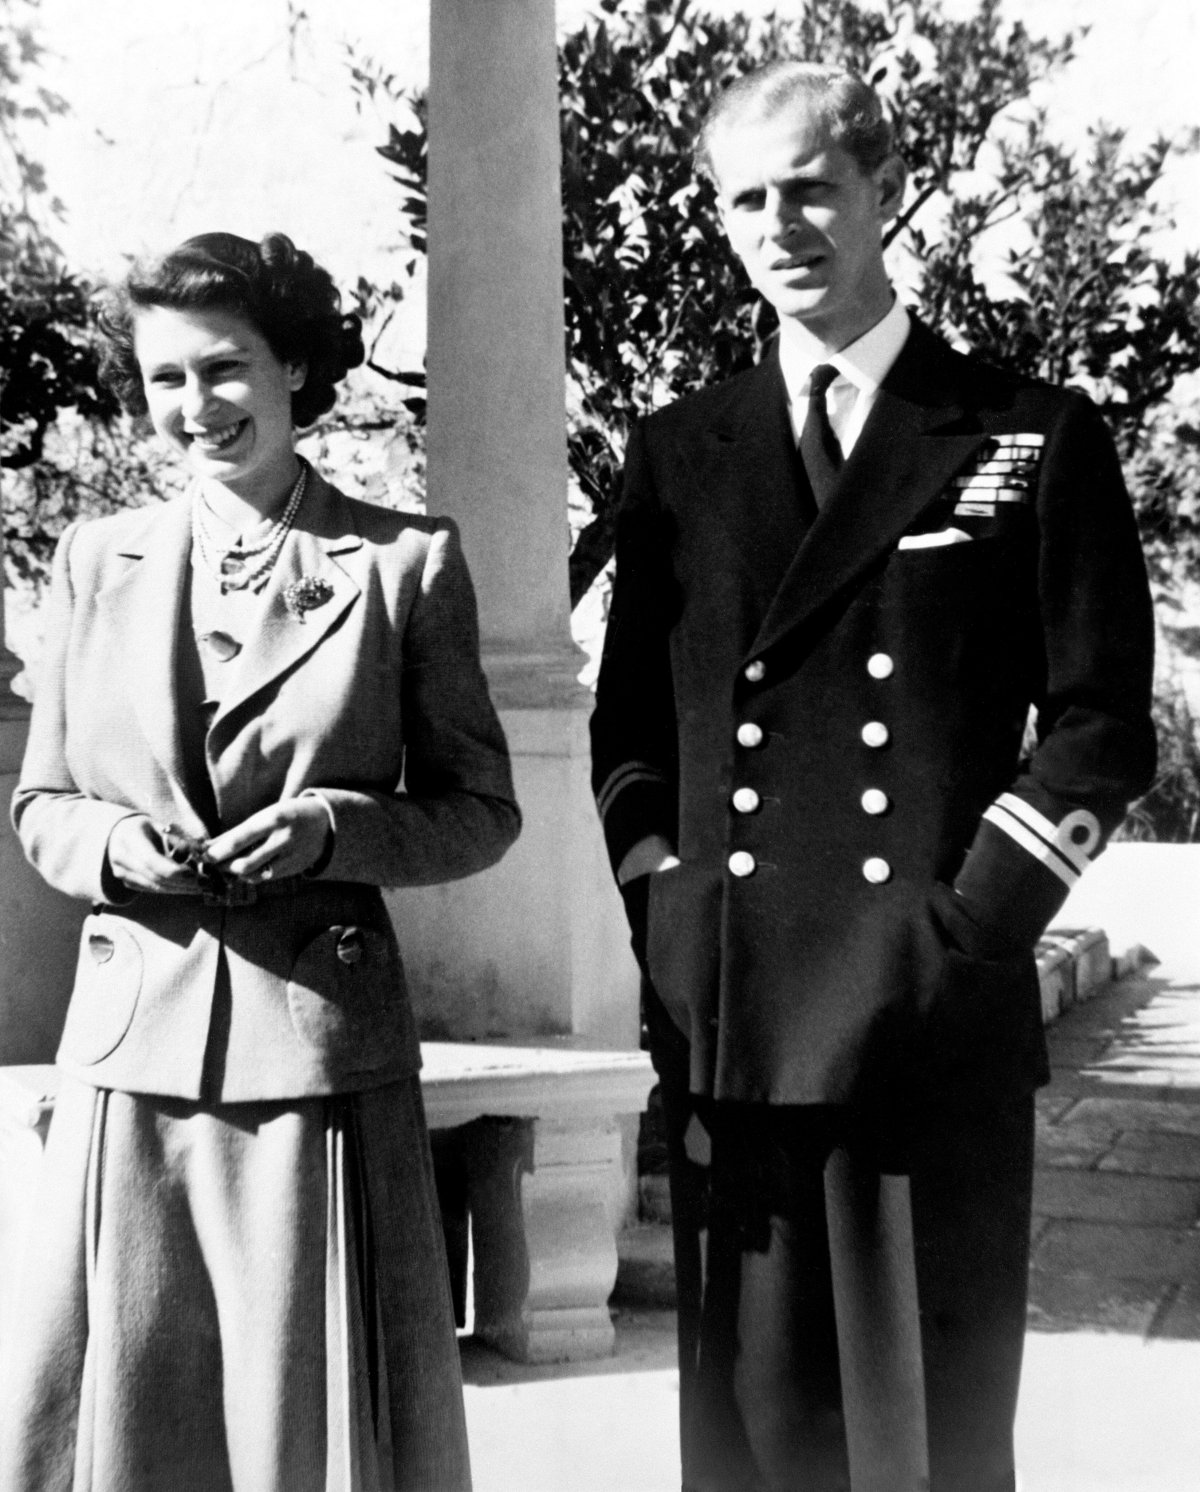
(980, 1035)
(108, 982)
(346, 995)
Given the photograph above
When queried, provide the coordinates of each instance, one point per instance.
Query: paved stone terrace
(1116, 1242)
(1116, 1235)
(1111, 1390)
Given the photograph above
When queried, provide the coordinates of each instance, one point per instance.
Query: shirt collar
(865, 363)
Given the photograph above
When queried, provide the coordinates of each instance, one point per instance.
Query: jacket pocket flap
(346, 995)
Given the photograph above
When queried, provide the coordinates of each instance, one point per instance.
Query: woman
(238, 1283)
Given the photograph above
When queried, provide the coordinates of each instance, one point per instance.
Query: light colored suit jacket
(375, 697)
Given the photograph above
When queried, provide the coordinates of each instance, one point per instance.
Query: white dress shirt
(861, 368)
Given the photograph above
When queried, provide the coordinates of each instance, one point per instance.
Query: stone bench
(534, 1134)
(533, 1144)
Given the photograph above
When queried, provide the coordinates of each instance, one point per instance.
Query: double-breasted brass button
(876, 734)
(881, 666)
(875, 800)
(876, 870)
(755, 672)
(749, 734)
(746, 800)
(742, 863)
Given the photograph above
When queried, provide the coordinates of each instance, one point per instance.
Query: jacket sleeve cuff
(113, 891)
(1023, 863)
(321, 863)
(636, 802)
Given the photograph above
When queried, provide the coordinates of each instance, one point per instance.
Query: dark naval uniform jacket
(828, 720)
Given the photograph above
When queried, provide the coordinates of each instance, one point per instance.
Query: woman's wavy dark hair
(277, 287)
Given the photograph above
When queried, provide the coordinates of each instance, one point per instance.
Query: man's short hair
(850, 107)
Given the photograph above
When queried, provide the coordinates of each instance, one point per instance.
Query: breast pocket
(971, 575)
(931, 552)
(108, 983)
(940, 538)
(347, 999)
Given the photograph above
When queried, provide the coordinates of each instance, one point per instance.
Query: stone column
(39, 929)
(537, 945)
(497, 446)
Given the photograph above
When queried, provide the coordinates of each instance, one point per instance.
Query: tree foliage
(62, 453)
(1083, 298)
(88, 467)
(1038, 256)
(47, 358)
(1043, 258)
(1008, 241)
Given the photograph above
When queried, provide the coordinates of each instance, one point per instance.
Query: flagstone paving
(1111, 1388)
(1116, 1239)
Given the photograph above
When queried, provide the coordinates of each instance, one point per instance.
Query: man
(843, 578)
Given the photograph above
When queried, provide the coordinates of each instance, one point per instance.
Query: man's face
(806, 221)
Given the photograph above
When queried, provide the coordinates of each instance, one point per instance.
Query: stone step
(1074, 965)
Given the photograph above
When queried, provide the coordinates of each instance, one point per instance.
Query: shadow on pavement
(1117, 1189)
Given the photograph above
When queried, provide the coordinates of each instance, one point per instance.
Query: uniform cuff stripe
(1045, 853)
(623, 777)
(1074, 838)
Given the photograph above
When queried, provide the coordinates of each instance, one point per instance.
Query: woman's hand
(137, 858)
(283, 840)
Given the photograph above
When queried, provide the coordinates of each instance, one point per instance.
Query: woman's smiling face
(219, 396)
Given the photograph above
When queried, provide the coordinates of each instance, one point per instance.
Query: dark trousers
(839, 1327)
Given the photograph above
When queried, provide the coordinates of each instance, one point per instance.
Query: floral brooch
(306, 594)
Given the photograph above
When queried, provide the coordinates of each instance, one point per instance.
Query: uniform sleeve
(63, 831)
(1096, 742)
(634, 745)
(457, 813)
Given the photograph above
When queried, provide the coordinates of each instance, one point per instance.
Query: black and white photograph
(600, 743)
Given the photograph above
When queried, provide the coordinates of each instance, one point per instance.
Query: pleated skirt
(247, 1298)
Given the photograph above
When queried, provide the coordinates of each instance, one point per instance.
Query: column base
(556, 1336)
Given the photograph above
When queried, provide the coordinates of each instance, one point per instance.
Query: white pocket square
(934, 540)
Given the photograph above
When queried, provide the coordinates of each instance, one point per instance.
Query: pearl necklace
(230, 565)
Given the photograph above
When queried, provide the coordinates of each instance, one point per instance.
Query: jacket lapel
(143, 611)
(917, 436)
(745, 465)
(288, 632)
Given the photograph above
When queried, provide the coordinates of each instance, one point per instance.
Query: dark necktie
(819, 449)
